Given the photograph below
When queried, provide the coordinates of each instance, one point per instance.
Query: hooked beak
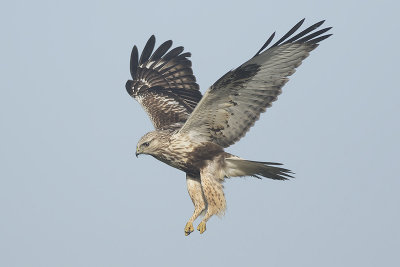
(138, 152)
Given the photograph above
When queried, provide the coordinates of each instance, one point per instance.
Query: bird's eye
(146, 144)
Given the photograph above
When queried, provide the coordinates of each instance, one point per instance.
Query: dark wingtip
(186, 54)
(266, 43)
(147, 50)
(152, 40)
(129, 87)
(302, 37)
(319, 39)
(134, 61)
(161, 50)
(313, 36)
(290, 32)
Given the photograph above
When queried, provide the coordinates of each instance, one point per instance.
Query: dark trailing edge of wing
(301, 37)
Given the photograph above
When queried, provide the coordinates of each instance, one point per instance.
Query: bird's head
(150, 143)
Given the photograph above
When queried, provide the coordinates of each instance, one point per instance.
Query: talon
(201, 227)
(188, 228)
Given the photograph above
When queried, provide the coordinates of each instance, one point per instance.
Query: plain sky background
(73, 194)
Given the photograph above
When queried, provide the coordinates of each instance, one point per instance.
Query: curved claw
(201, 227)
(189, 228)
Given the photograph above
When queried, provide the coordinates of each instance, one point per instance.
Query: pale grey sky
(73, 194)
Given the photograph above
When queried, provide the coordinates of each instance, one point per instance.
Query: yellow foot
(201, 227)
(189, 228)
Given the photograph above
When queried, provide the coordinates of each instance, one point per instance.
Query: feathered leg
(211, 181)
(197, 196)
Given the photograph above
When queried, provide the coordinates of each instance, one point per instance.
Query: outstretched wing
(232, 105)
(163, 83)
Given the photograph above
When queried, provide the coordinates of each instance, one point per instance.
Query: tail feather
(241, 167)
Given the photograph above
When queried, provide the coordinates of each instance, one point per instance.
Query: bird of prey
(191, 130)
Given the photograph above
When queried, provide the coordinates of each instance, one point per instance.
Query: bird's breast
(187, 155)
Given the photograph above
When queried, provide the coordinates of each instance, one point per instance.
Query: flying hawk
(191, 130)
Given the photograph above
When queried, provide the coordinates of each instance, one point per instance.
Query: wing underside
(163, 83)
(234, 103)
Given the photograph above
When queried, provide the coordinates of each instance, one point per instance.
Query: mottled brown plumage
(192, 131)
